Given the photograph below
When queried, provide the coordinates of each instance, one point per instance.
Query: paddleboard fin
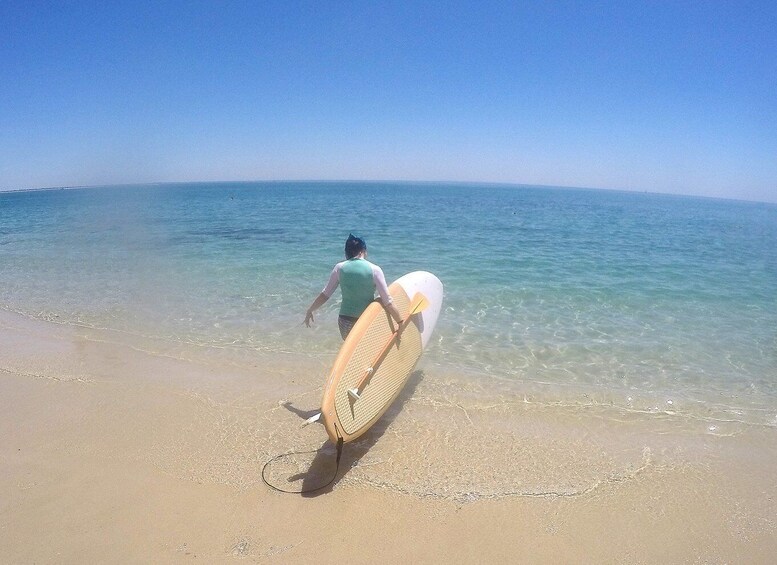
(313, 418)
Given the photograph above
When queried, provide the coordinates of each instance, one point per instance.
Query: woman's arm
(317, 303)
(394, 312)
(385, 297)
(331, 285)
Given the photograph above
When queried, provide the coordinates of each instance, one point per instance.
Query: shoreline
(116, 454)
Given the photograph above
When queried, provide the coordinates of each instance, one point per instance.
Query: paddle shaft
(419, 304)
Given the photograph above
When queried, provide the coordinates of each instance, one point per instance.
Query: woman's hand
(394, 313)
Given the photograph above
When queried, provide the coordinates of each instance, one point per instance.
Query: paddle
(419, 304)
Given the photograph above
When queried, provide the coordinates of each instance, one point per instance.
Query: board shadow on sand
(323, 465)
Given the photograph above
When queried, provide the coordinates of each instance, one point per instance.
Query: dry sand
(116, 454)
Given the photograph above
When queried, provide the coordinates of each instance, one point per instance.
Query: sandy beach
(119, 453)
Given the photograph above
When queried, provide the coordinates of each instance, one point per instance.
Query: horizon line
(381, 181)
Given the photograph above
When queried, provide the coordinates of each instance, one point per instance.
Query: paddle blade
(420, 303)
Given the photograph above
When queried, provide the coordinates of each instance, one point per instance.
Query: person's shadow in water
(324, 462)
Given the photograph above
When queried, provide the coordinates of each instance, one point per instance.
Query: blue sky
(671, 96)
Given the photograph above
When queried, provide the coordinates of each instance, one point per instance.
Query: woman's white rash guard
(377, 277)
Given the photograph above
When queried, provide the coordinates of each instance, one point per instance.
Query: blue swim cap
(354, 245)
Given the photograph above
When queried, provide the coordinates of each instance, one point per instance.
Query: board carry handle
(419, 304)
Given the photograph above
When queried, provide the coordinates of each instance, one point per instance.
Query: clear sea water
(654, 303)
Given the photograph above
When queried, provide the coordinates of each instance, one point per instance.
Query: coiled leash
(304, 491)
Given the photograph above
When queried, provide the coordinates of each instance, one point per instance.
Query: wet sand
(114, 453)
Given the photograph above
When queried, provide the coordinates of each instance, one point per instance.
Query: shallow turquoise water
(637, 297)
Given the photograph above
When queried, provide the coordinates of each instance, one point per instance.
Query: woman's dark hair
(353, 246)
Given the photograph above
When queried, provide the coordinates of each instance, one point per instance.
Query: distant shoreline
(378, 182)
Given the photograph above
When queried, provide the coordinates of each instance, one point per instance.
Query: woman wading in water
(358, 279)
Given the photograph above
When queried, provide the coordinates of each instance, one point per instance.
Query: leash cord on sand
(304, 491)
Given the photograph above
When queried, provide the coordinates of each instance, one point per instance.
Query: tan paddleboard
(376, 362)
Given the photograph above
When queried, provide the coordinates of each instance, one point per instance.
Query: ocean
(644, 296)
(629, 305)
